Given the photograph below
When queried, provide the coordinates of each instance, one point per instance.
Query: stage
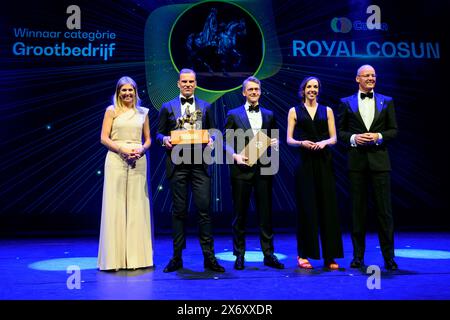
(36, 269)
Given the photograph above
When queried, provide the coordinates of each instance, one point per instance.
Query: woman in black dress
(311, 127)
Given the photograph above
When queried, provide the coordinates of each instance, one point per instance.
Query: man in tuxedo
(367, 124)
(245, 178)
(188, 172)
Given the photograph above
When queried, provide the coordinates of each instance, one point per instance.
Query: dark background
(51, 177)
(222, 77)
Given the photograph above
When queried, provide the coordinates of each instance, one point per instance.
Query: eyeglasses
(367, 75)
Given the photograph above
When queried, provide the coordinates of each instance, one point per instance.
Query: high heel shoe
(331, 264)
(304, 263)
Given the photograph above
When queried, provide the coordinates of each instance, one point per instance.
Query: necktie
(253, 108)
(188, 100)
(366, 95)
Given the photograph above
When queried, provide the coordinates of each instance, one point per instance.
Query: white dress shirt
(187, 105)
(255, 118)
(366, 109)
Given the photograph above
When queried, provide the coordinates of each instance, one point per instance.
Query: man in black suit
(244, 178)
(367, 124)
(181, 173)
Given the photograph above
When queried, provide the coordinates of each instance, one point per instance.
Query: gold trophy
(188, 129)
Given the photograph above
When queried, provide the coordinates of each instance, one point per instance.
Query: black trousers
(380, 184)
(317, 208)
(195, 176)
(242, 190)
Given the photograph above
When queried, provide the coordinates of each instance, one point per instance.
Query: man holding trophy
(182, 129)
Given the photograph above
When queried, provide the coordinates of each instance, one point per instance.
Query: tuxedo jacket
(373, 157)
(237, 119)
(167, 121)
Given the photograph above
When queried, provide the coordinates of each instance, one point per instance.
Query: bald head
(366, 78)
(364, 68)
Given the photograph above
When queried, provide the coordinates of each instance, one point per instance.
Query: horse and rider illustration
(214, 49)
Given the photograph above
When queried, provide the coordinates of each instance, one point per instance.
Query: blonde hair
(250, 79)
(186, 70)
(118, 105)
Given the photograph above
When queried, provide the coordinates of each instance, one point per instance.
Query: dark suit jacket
(372, 157)
(237, 119)
(167, 121)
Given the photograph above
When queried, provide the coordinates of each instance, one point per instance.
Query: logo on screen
(220, 41)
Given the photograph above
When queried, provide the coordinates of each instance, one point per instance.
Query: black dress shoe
(213, 265)
(173, 265)
(357, 263)
(272, 261)
(239, 263)
(390, 264)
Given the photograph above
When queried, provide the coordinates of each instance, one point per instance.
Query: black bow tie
(253, 108)
(366, 95)
(188, 100)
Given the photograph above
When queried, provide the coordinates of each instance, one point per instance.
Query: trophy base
(189, 136)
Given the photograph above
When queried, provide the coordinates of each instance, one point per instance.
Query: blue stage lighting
(250, 256)
(422, 254)
(84, 263)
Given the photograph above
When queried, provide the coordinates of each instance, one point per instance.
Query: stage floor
(36, 269)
